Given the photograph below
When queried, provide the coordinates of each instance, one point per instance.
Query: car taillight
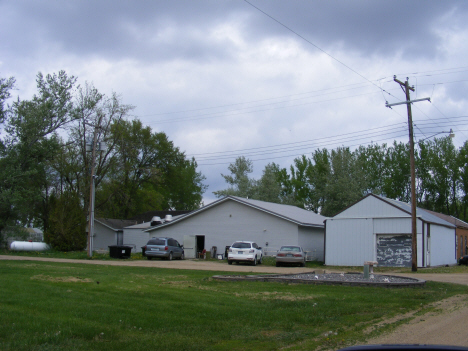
(251, 251)
(144, 247)
(166, 248)
(281, 255)
(297, 255)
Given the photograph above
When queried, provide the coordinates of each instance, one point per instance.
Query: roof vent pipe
(156, 220)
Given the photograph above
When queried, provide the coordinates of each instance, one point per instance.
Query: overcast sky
(268, 80)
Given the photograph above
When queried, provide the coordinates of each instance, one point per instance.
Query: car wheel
(260, 261)
(254, 263)
(229, 262)
(170, 256)
(302, 264)
(149, 258)
(182, 256)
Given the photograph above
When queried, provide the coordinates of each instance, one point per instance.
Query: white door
(190, 246)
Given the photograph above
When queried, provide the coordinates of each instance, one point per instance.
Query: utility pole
(414, 242)
(101, 147)
(91, 198)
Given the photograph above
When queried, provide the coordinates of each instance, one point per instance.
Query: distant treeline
(329, 181)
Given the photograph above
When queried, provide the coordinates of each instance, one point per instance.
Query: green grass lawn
(58, 306)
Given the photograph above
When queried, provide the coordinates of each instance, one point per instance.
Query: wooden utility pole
(95, 147)
(91, 197)
(414, 242)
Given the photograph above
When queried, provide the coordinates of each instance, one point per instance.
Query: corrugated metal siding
(135, 238)
(371, 207)
(312, 240)
(442, 246)
(104, 237)
(349, 242)
(230, 221)
(395, 225)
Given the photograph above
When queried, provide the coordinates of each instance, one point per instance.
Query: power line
(314, 45)
(350, 139)
(296, 97)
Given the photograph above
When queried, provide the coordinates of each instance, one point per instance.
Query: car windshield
(241, 245)
(290, 248)
(156, 242)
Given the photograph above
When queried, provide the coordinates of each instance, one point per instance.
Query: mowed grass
(58, 306)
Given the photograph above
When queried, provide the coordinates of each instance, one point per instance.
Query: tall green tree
(300, 182)
(29, 146)
(439, 172)
(462, 161)
(240, 184)
(95, 114)
(269, 188)
(319, 177)
(397, 173)
(147, 172)
(347, 182)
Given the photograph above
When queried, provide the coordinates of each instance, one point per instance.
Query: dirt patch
(61, 279)
(274, 295)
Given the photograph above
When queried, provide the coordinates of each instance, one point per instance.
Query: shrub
(67, 223)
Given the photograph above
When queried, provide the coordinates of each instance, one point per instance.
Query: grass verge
(56, 306)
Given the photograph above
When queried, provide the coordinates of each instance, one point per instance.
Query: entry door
(190, 246)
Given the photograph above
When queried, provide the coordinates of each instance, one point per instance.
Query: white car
(245, 251)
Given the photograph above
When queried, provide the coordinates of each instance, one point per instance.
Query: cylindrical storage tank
(28, 246)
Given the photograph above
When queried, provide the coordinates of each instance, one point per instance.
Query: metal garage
(377, 229)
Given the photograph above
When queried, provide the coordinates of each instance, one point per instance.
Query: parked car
(463, 260)
(245, 251)
(290, 255)
(168, 248)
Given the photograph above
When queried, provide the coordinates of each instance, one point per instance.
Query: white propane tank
(28, 246)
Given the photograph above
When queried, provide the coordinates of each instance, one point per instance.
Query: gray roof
(290, 213)
(115, 224)
(426, 216)
(146, 225)
(451, 219)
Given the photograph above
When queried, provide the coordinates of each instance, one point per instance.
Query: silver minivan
(167, 248)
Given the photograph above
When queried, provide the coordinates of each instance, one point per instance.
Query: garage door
(394, 250)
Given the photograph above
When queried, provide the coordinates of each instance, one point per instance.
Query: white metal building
(233, 218)
(379, 229)
(108, 232)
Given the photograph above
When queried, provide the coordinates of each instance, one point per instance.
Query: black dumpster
(120, 251)
(226, 250)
